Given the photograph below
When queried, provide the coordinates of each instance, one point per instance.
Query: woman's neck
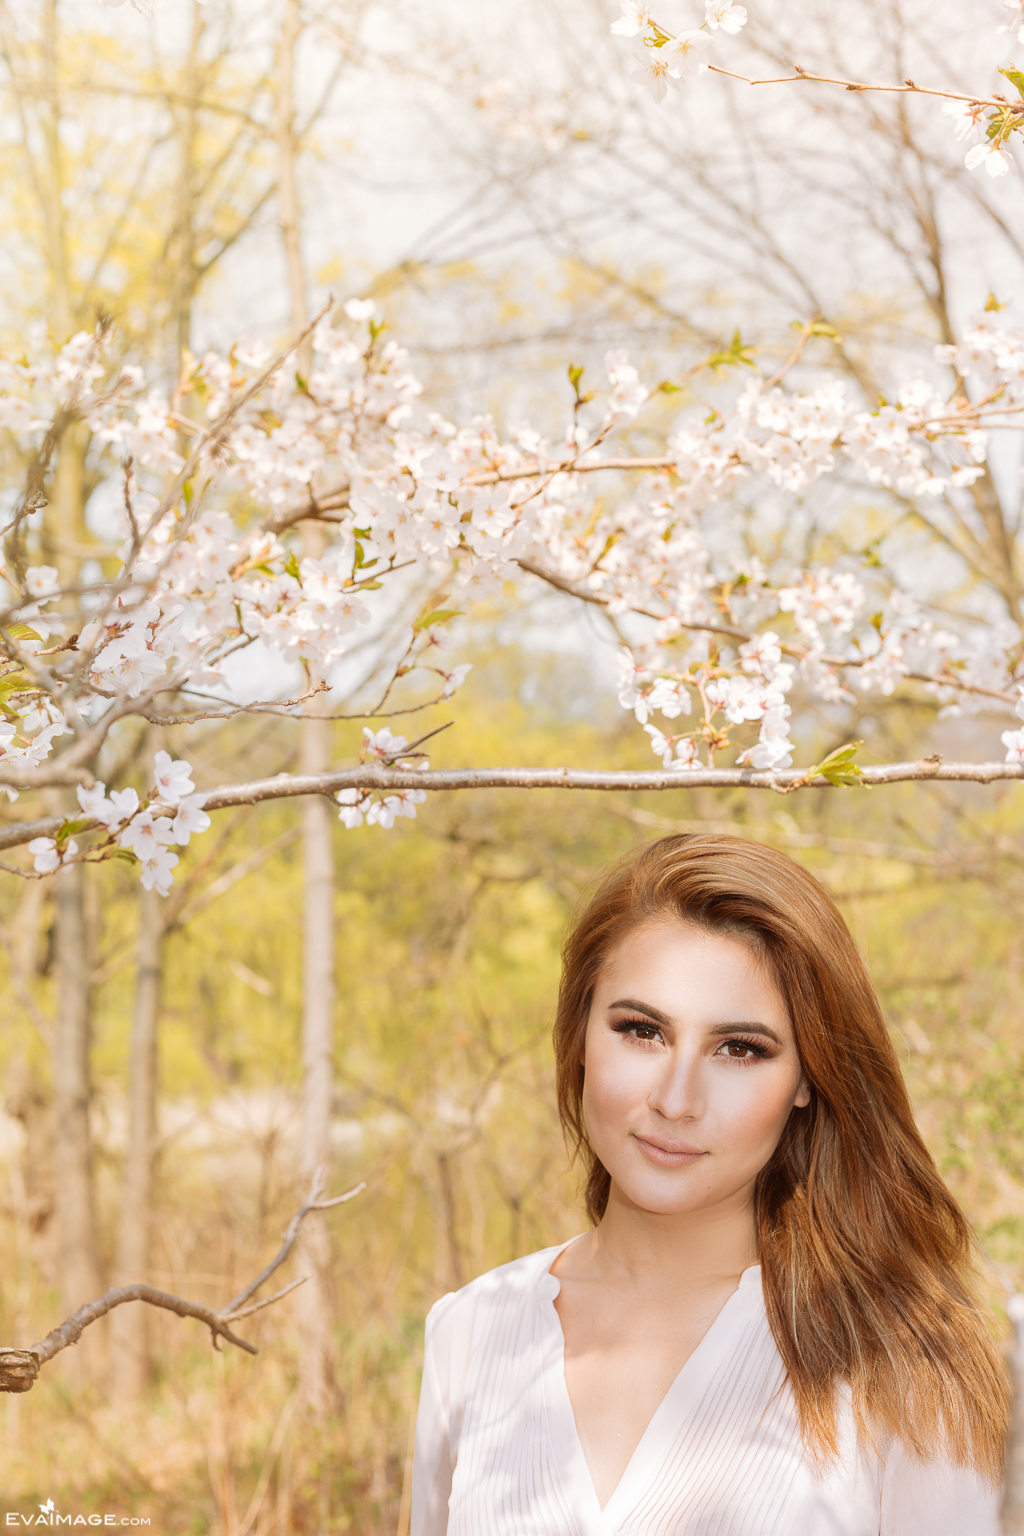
(683, 1250)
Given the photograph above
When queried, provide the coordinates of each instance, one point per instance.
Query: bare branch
(314, 1203)
(19, 1368)
(907, 88)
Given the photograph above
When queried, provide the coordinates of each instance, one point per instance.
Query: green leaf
(438, 616)
(21, 632)
(869, 554)
(126, 854)
(69, 828)
(369, 586)
(575, 374)
(876, 620)
(992, 303)
(1013, 74)
(666, 387)
(188, 491)
(291, 566)
(840, 766)
(15, 682)
(735, 355)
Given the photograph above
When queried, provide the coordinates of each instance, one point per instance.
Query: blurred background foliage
(490, 174)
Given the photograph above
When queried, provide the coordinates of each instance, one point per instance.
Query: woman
(772, 1327)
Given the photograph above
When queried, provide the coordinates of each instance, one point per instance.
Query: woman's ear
(803, 1094)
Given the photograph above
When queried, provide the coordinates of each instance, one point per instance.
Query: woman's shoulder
(505, 1285)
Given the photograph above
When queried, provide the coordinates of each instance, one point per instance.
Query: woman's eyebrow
(748, 1029)
(652, 1013)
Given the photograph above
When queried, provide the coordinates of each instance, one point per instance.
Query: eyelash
(626, 1027)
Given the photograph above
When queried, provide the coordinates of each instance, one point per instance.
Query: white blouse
(497, 1453)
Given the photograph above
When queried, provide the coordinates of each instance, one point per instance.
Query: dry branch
(20, 1367)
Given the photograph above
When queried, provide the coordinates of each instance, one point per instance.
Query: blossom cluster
(664, 60)
(144, 828)
(216, 479)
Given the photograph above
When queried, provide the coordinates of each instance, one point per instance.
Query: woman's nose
(678, 1093)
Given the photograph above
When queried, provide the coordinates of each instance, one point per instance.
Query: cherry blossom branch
(215, 431)
(370, 776)
(229, 712)
(909, 87)
(19, 1368)
(743, 636)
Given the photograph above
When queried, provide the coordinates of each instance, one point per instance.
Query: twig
(19, 1368)
(291, 1238)
(907, 88)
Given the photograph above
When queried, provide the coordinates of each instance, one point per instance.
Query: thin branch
(907, 88)
(291, 1237)
(19, 1368)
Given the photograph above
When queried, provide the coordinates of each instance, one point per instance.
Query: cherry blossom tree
(709, 643)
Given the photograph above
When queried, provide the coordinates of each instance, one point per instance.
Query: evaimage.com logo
(49, 1515)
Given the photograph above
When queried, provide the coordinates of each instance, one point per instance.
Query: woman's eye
(740, 1050)
(639, 1029)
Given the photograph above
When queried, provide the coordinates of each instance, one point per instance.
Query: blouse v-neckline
(683, 1395)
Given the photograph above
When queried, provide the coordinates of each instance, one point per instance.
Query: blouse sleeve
(935, 1497)
(447, 1347)
(432, 1464)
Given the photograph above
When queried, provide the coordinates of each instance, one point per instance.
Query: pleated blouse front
(497, 1452)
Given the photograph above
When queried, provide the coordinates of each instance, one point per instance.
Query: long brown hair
(866, 1258)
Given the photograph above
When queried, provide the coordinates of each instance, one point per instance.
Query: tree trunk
(52, 189)
(317, 1058)
(314, 1300)
(181, 246)
(77, 1247)
(287, 190)
(130, 1325)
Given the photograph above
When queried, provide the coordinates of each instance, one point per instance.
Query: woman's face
(691, 1068)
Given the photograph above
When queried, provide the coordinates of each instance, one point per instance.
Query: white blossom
(722, 13)
(124, 803)
(172, 780)
(190, 817)
(41, 581)
(157, 864)
(360, 309)
(1016, 21)
(965, 115)
(145, 833)
(1013, 741)
(686, 52)
(635, 17)
(995, 157)
(45, 858)
(657, 71)
(455, 678)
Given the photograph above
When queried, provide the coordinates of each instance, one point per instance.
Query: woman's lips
(667, 1153)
